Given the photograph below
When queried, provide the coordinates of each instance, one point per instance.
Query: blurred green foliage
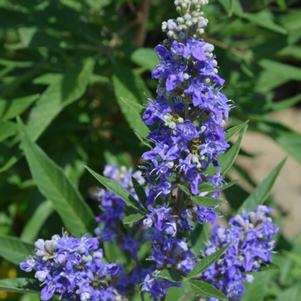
(77, 72)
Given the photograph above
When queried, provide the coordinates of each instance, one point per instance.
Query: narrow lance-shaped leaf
(13, 249)
(139, 190)
(262, 191)
(199, 237)
(227, 160)
(145, 57)
(170, 275)
(19, 285)
(10, 109)
(35, 223)
(235, 129)
(116, 188)
(7, 129)
(127, 89)
(132, 218)
(63, 90)
(205, 289)
(206, 262)
(200, 200)
(258, 288)
(56, 187)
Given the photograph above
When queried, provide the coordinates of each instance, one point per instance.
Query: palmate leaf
(56, 187)
(13, 249)
(261, 193)
(205, 289)
(206, 262)
(116, 188)
(20, 285)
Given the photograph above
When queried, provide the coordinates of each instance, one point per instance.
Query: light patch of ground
(287, 190)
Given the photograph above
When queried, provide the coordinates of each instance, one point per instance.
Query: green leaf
(20, 285)
(206, 262)
(286, 103)
(130, 219)
(145, 57)
(287, 138)
(13, 249)
(290, 294)
(113, 253)
(32, 228)
(199, 237)
(257, 289)
(291, 142)
(200, 200)
(56, 187)
(261, 193)
(275, 74)
(235, 129)
(232, 6)
(227, 160)
(116, 188)
(206, 290)
(281, 4)
(13, 108)
(63, 91)
(170, 275)
(139, 191)
(127, 88)
(264, 19)
(205, 201)
(7, 129)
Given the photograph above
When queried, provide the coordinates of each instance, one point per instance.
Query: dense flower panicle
(188, 116)
(73, 268)
(187, 120)
(251, 240)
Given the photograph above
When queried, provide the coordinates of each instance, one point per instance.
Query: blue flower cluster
(187, 120)
(189, 115)
(73, 268)
(251, 240)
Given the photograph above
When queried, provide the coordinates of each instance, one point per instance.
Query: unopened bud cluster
(191, 22)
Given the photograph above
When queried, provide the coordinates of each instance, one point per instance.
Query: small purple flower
(72, 268)
(251, 244)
